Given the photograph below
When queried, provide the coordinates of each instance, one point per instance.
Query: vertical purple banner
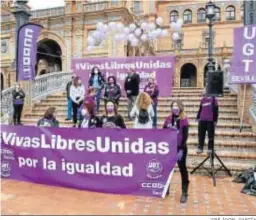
(136, 162)
(27, 51)
(161, 68)
(243, 69)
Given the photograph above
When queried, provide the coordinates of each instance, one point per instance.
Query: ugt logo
(154, 169)
(5, 169)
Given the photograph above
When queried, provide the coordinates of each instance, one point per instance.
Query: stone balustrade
(252, 110)
(40, 88)
(48, 12)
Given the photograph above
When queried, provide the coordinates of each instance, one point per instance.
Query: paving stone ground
(22, 198)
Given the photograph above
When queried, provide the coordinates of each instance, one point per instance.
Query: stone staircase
(237, 150)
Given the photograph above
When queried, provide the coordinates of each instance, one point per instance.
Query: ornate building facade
(66, 30)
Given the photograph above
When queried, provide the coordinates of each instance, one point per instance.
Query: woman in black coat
(97, 82)
(112, 90)
(18, 96)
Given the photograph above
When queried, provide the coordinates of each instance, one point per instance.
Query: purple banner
(27, 51)
(243, 70)
(116, 161)
(161, 68)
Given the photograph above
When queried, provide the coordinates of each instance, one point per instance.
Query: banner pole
(242, 116)
(167, 183)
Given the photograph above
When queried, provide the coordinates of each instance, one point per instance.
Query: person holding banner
(131, 87)
(18, 96)
(97, 81)
(69, 101)
(77, 93)
(88, 118)
(152, 89)
(112, 119)
(178, 120)
(143, 112)
(207, 116)
(112, 90)
(49, 119)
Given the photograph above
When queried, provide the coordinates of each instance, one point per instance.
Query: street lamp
(210, 14)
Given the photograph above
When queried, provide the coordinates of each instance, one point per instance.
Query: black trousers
(17, 110)
(183, 167)
(204, 126)
(75, 108)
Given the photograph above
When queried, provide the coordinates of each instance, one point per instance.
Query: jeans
(17, 110)
(204, 126)
(69, 110)
(131, 102)
(75, 110)
(98, 96)
(155, 115)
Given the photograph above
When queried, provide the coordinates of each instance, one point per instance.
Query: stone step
(225, 99)
(221, 126)
(234, 165)
(122, 105)
(161, 116)
(123, 110)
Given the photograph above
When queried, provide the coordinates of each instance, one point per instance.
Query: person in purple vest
(18, 96)
(207, 120)
(152, 89)
(177, 119)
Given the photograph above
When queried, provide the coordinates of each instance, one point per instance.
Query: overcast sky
(40, 4)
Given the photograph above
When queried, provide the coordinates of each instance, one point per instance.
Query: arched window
(201, 15)
(230, 13)
(217, 14)
(242, 11)
(174, 15)
(187, 16)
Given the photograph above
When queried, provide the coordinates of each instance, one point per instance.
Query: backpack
(143, 116)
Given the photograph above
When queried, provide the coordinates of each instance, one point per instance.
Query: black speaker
(214, 85)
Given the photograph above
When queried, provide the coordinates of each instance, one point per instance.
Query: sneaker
(199, 150)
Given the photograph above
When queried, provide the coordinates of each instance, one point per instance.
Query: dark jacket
(94, 122)
(101, 80)
(112, 92)
(16, 100)
(46, 122)
(68, 88)
(132, 83)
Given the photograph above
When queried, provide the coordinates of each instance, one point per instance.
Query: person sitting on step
(88, 118)
(49, 119)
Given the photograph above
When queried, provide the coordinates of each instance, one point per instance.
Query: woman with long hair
(97, 81)
(18, 96)
(112, 90)
(112, 119)
(143, 112)
(178, 119)
(49, 119)
(88, 117)
(152, 89)
(77, 93)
